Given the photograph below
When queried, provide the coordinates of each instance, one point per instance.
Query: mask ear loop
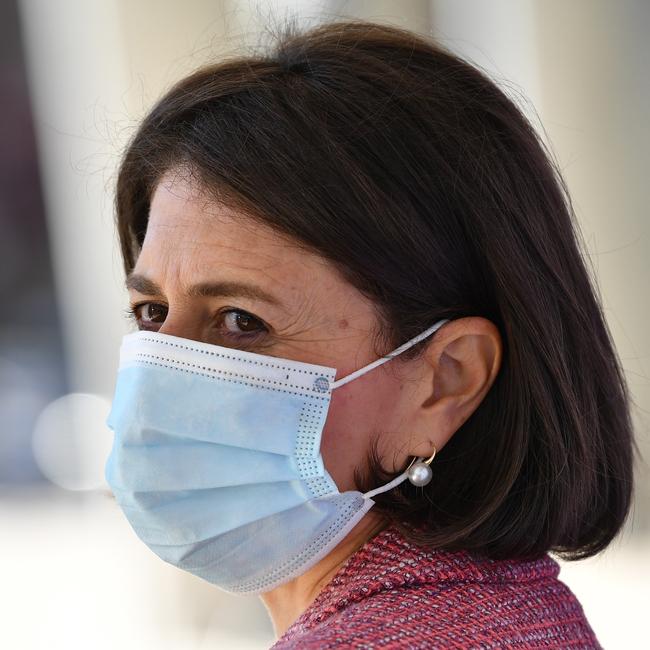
(408, 473)
(389, 356)
(415, 473)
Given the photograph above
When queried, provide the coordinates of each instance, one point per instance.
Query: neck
(288, 601)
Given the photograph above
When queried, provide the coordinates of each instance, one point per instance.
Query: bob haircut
(425, 185)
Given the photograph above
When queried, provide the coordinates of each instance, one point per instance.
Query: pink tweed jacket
(393, 594)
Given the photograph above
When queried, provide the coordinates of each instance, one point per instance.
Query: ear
(459, 366)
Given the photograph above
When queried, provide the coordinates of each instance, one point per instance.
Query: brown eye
(151, 313)
(236, 321)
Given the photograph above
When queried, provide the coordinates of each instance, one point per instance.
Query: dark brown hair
(426, 186)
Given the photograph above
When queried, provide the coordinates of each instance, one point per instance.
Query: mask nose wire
(389, 356)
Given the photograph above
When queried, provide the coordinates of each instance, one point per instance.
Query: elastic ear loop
(401, 478)
(357, 373)
(391, 355)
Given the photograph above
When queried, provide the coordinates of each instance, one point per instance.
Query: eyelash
(133, 314)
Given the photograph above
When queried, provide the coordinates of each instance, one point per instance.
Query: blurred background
(76, 77)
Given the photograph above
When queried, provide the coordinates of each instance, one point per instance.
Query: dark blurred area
(31, 354)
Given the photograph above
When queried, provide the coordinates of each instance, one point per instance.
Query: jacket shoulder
(535, 615)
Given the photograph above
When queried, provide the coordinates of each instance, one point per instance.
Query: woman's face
(212, 275)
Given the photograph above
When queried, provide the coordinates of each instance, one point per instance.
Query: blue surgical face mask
(216, 459)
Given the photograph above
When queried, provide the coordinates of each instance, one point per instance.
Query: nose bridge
(184, 323)
(185, 315)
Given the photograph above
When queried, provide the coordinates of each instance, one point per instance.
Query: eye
(237, 322)
(149, 315)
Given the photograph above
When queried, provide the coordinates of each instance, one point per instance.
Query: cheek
(359, 411)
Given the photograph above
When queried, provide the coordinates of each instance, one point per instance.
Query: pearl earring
(420, 473)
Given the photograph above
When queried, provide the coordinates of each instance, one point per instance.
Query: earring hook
(427, 461)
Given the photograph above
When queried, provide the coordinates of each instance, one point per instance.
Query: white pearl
(420, 474)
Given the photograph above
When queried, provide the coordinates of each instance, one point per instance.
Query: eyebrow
(148, 287)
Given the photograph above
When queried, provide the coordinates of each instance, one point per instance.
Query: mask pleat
(212, 410)
(315, 527)
(160, 467)
(187, 517)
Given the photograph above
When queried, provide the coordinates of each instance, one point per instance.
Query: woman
(372, 380)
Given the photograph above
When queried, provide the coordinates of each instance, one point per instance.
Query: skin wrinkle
(406, 406)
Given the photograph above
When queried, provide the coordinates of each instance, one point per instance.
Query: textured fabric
(393, 594)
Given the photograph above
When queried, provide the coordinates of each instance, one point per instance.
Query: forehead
(186, 225)
(192, 238)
